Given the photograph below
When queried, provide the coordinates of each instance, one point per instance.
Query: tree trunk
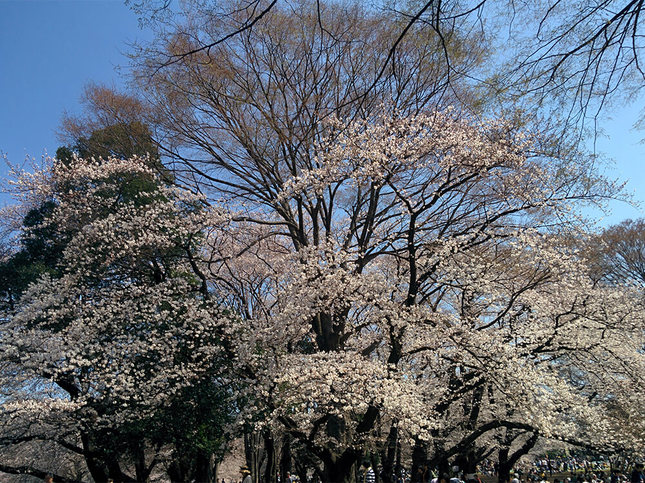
(340, 469)
(506, 461)
(467, 462)
(176, 472)
(205, 468)
(270, 475)
(140, 467)
(302, 472)
(389, 455)
(419, 460)
(96, 467)
(114, 471)
(398, 467)
(101, 465)
(285, 457)
(253, 453)
(338, 473)
(503, 466)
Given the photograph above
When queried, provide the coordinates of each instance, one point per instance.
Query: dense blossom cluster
(435, 298)
(455, 297)
(123, 328)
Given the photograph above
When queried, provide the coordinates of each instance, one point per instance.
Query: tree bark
(340, 469)
(205, 468)
(419, 460)
(253, 453)
(285, 457)
(506, 461)
(389, 455)
(270, 475)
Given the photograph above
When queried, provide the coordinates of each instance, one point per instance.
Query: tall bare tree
(245, 113)
(575, 56)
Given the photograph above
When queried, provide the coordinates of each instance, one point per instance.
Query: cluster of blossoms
(425, 144)
(458, 293)
(313, 388)
(435, 299)
(124, 327)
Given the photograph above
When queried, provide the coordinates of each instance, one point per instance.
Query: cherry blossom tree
(415, 279)
(344, 210)
(96, 353)
(414, 282)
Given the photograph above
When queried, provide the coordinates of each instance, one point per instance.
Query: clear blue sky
(49, 49)
(624, 145)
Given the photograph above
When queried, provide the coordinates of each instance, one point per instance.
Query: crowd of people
(571, 464)
(600, 473)
(571, 469)
(554, 469)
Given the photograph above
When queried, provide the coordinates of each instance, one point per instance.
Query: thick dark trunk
(503, 466)
(285, 457)
(467, 462)
(101, 465)
(254, 453)
(141, 469)
(176, 472)
(205, 468)
(187, 465)
(374, 460)
(340, 469)
(338, 473)
(302, 472)
(326, 337)
(389, 455)
(439, 460)
(506, 461)
(397, 466)
(114, 472)
(270, 474)
(443, 467)
(419, 461)
(97, 467)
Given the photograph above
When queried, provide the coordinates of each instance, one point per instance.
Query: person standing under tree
(246, 474)
(368, 474)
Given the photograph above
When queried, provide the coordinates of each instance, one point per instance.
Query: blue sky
(624, 145)
(50, 49)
